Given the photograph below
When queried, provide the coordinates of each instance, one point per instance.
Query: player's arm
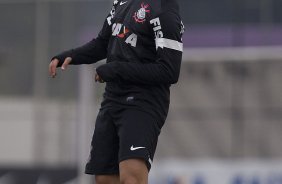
(166, 69)
(91, 52)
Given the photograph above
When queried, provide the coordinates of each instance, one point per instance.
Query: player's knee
(129, 179)
(133, 171)
(100, 179)
(133, 177)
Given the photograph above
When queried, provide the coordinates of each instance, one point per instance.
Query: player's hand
(54, 63)
(98, 78)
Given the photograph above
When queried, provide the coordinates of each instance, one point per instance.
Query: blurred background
(225, 120)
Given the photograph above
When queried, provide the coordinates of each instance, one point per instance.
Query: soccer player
(141, 40)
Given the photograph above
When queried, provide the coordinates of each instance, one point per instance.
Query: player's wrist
(97, 77)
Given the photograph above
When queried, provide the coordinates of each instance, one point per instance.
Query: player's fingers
(52, 67)
(66, 63)
(101, 80)
(96, 77)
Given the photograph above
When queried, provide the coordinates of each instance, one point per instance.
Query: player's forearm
(151, 74)
(89, 53)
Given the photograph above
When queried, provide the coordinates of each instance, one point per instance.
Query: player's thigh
(133, 171)
(107, 179)
(103, 158)
(138, 135)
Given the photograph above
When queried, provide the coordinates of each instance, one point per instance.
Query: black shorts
(121, 134)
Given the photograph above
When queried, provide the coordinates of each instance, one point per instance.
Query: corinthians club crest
(140, 15)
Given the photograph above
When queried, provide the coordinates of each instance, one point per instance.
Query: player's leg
(133, 171)
(103, 161)
(107, 179)
(138, 134)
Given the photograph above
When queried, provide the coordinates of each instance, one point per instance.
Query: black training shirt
(141, 40)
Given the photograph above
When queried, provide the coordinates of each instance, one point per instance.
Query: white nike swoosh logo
(136, 148)
(122, 3)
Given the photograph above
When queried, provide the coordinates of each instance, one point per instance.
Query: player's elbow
(170, 74)
(174, 75)
(174, 79)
